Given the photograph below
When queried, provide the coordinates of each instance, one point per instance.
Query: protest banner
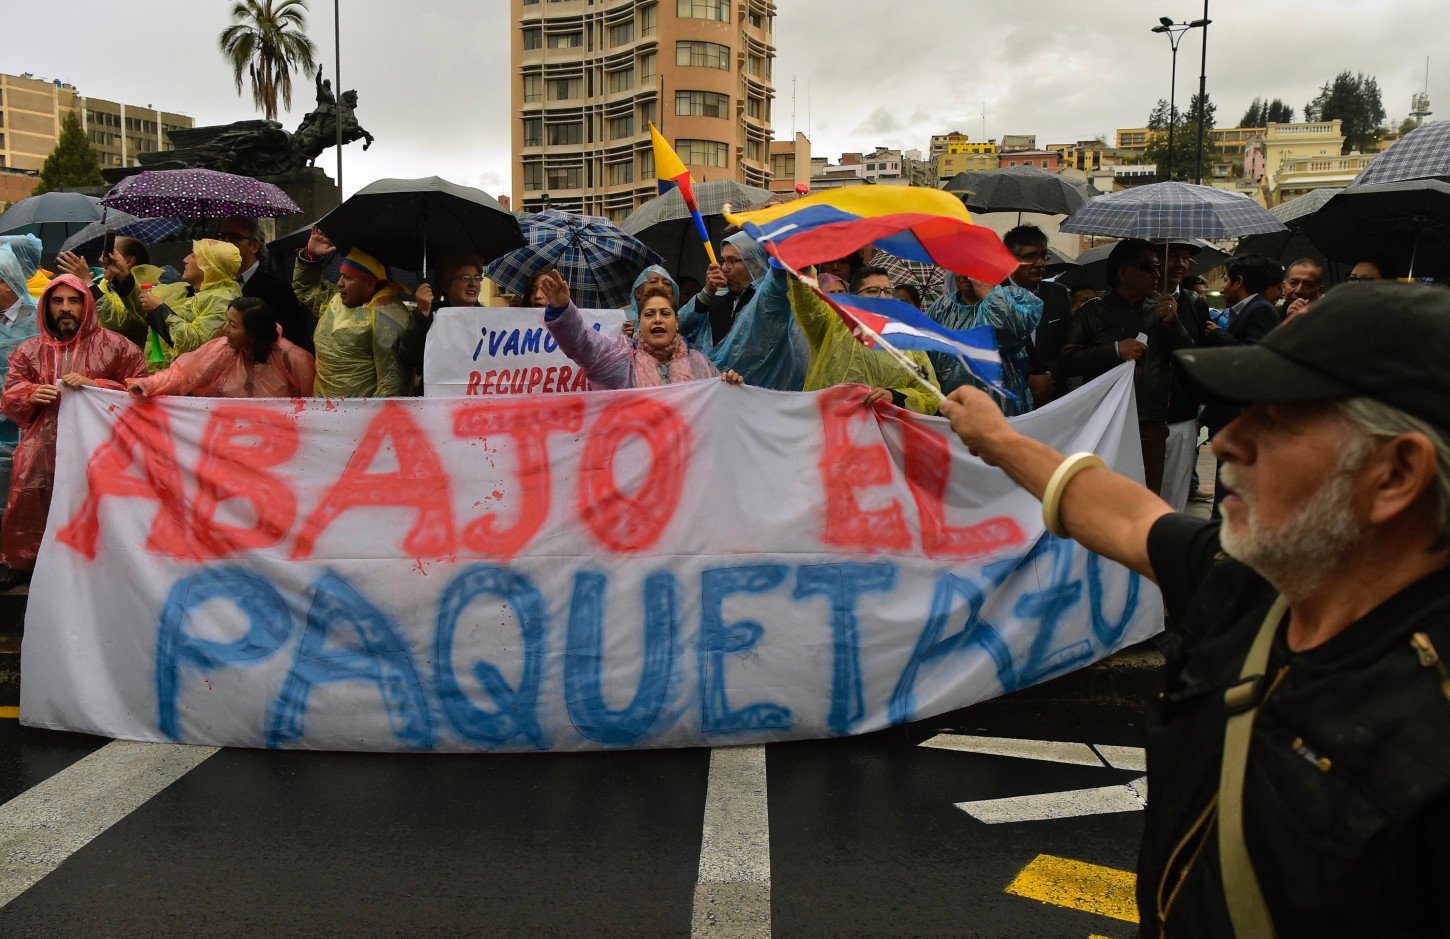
(697, 564)
(503, 351)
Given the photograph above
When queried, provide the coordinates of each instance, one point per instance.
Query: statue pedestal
(314, 192)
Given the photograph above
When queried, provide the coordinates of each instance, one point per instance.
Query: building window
(533, 38)
(571, 177)
(566, 40)
(619, 174)
(533, 88)
(647, 18)
(646, 113)
(753, 65)
(647, 164)
(560, 134)
(756, 20)
(647, 69)
(534, 175)
(782, 165)
(562, 89)
(533, 131)
(706, 54)
(754, 107)
(621, 127)
(702, 104)
(621, 34)
(754, 150)
(622, 80)
(703, 9)
(703, 152)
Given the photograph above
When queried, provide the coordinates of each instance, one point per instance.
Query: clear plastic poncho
(357, 347)
(216, 370)
(19, 262)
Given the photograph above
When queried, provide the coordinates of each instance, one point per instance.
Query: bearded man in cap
(360, 323)
(1299, 755)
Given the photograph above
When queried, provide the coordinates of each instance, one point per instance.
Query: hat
(1385, 341)
(359, 261)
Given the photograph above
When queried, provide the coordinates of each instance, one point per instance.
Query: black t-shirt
(1347, 791)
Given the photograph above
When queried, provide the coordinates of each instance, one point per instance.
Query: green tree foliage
(1185, 138)
(1354, 100)
(1261, 113)
(267, 42)
(72, 163)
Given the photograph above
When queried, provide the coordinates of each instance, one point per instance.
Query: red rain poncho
(216, 370)
(97, 353)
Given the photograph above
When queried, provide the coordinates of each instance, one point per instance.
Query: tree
(268, 42)
(1262, 113)
(72, 163)
(1354, 100)
(1185, 138)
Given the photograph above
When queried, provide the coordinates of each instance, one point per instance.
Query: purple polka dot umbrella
(198, 193)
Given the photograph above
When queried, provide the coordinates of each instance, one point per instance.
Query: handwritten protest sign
(692, 565)
(503, 351)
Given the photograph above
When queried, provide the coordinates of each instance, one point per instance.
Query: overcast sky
(432, 75)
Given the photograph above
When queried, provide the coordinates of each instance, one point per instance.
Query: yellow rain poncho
(115, 315)
(838, 359)
(356, 346)
(198, 319)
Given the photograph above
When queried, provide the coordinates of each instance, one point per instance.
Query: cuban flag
(888, 322)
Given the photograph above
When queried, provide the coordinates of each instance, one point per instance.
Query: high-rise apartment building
(589, 76)
(31, 111)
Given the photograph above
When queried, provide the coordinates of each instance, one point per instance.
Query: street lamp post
(1174, 32)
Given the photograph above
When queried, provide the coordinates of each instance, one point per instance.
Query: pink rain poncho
(216, 370)
(97, 353)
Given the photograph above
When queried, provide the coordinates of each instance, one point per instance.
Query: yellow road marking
(9, 710)
(1091, 888)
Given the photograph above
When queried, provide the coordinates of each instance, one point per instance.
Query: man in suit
(1251, 317)
(297, 324)
(1181, 451)
(1028, 244)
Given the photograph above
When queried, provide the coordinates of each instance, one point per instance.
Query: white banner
(693, 565)
(503, 351)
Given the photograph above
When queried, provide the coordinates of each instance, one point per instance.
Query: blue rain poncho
(765, 345)
(1013, 313)
(19, 260)
(639, 282)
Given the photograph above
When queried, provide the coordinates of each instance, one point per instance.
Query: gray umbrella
(1423, 153)
(52, 216)
(664, 224)
(1020, 189)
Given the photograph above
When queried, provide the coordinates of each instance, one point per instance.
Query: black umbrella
(1020, 189)
(1408, 222)
(666, 228)
(402, 221)
(282, 255)
(1290, 244)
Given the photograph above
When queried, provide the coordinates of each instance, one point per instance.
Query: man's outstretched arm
(1104, 512)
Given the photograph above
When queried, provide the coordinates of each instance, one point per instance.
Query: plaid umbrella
(1020, 189)
(597, 260)
(926, 278)
(1172, 210)
(88, 241)
(664, 224)
(1423, 153)
(198, 193)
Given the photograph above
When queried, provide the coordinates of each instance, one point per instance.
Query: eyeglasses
(875, 291)
(470, 278)
(1147, 267)
(234, 237)
(728, 261)
(1040, 257)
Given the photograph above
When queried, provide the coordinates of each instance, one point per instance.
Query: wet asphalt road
(865, 838)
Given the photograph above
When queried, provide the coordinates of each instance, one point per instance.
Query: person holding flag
(1013, 313)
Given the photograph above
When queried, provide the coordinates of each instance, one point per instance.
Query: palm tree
(267, 41)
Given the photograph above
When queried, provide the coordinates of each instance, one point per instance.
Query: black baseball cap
(1387, 341)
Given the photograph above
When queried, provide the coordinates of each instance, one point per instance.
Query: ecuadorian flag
(925, 225)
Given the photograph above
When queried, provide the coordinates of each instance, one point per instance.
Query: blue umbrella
(87, 242)
(53, 216)
(596, 258)
(1423, 153)
(1172, 210)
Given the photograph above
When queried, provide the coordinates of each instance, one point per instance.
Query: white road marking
(1079, 754)
(1071, 804)
(1129, 758)
(49, 822)
(732, 892)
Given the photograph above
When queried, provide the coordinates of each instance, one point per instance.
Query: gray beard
(1300, 556)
